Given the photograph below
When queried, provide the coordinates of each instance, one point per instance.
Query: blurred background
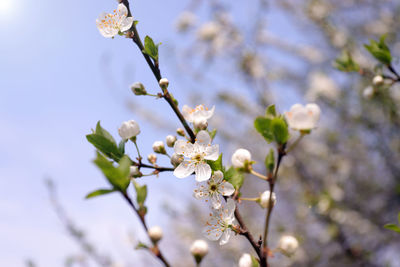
(59, 76)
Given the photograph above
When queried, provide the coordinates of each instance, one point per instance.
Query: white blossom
(240, 158)
(110, 25)
(129, 129)
(288, 244)
(245, 260)
(199, 248)
(213, 188)
(303, 117)
(155, 233)
(264, 199)
(220, 223)
(198, 113)
(197, 155)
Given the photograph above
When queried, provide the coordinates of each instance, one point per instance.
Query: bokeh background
(59, 76)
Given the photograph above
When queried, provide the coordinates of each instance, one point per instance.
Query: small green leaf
(104, 145)
(270, 112)
(141, 193)
(262, 125)
(150, 48)
(279, 130)
(234, 177)
(380, 50)
(393, 227)
(99, 192)
(270, 161)
(216, 165)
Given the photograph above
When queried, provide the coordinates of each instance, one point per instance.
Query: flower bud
(377, 80)
(129, 129)
(245, 260)
(134, 172)
(170, 139)
(264, 199)
(155, 233)
(288, 244)
(152, 158)
(138, 89)
(180, 132)
(368, 92)
(241, 158)
(176, 159)
(200, 124)
(164, 83)
(158, 147)
(199, 249)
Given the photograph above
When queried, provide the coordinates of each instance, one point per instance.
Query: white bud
(129, 129)
(164, 83)
(240, 158)
(288, 244)
(158, 147)
(245, 260)
(170, 139)
(199, 249)
(377, 80)
(152, 158)
(180, 132)
(155, 233)
(138, 89)
(200, 123)
(368, 92)
(264, 199)
(134, 171)
(176, 159)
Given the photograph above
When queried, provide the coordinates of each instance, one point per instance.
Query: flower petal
(203, 172)
(225, 236)
(212, 152)
(215, 201)
(203, 138)
(226, 189)
(184, 169)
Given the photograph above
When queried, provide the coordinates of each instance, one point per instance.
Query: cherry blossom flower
(213, 188)
(110, 25)
(303, 118)
(199, 113)
(219, 226)
(197, 155)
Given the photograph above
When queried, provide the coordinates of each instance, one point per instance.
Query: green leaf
(150, 48)
(346, 63)
(117, 176)
(380, 50)
(270, 112)
(279, 130)
(104, 145)
(262, 125)
(270, 161)
(393, 227)
(234, 177)
(141, 193)
(216, 165)
(99, 192)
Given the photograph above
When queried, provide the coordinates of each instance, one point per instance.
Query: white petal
(226, 189)
(183, 147)
(225, 237)
(215, 201)
(126, 24)
(203, 138)
(184, 169)
(212, 152)
(203, 172)
(187, 113)
(218, 177)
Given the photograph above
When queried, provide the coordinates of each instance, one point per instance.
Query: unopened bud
(264, 199)
(176, 159)
(158, 147)
(199, 249)
(180, 132)
(134, 172)
(138, 89)
(377, 80)
(288, 245)
(170, 139)
(200, 124)
(164, 83)
(152, 158)
(155, 233)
